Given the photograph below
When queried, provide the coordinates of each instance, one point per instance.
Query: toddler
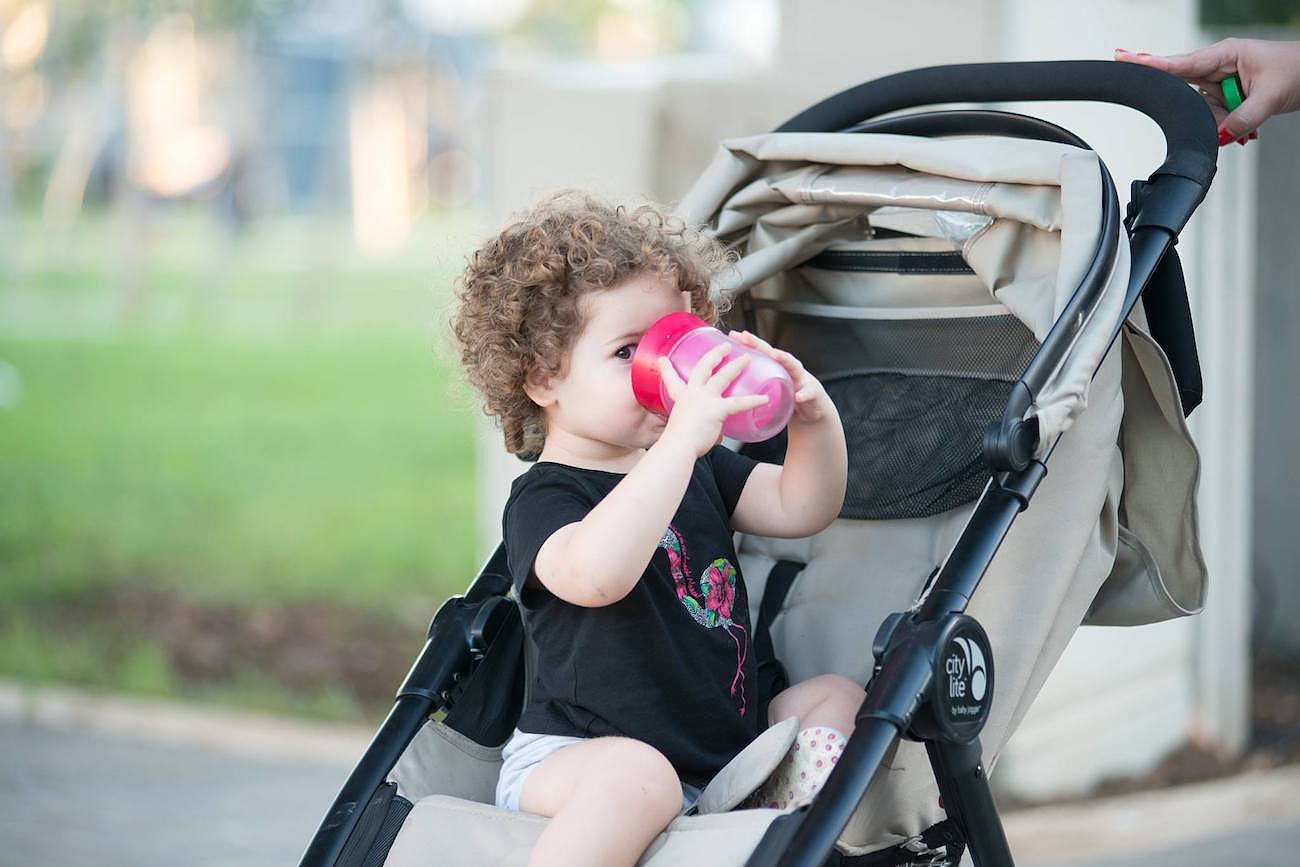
(619, 537)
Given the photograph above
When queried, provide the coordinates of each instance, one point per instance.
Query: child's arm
(598, 560)
(804, 495)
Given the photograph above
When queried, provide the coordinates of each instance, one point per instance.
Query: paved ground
(1275, 844)
(88, 781)
(1249, 819)
(74, 799)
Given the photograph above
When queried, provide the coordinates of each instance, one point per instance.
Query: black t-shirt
(671, 663)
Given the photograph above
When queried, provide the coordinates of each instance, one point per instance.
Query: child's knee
(635, 775)
(816, 695)
(840, 687)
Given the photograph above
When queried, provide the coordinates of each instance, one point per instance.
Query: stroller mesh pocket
(915, 396)
(914, 441)
(980, 347)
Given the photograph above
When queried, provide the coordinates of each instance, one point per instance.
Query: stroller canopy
(789, 196)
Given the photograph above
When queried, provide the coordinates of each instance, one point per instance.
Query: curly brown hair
(520, 299)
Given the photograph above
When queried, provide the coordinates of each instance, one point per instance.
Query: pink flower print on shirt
(710, 601)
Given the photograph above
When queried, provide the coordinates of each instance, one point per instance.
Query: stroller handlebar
(1183, 117)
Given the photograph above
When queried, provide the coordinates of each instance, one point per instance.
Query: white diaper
(525, 751)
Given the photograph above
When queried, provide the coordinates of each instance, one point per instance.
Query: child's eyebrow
(623, 338)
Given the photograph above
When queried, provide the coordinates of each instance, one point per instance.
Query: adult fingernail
(1122, 51)
(1143, 54)
(1253, 136)
(1224, 137)
(1241, 141)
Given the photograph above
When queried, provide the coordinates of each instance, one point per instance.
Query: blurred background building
(235, 464)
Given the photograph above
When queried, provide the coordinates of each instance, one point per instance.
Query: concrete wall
(1276, 434)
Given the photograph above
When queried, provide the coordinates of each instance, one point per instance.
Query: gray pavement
(1253, 818)
(77, 798)
(1274, 844)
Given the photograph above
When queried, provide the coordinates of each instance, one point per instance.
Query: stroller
(963, 284)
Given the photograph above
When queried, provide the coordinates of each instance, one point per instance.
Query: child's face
(592, 407)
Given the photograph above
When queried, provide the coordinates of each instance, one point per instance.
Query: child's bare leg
(608, 798)
(825, 705)
(826, 700)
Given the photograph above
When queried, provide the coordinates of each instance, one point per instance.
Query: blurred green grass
(311, 468)
(250, 420)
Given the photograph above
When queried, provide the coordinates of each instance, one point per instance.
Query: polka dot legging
(803, 770)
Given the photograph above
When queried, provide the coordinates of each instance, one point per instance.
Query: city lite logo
(967, 678)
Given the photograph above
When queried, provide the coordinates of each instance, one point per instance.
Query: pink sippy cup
(684, 338)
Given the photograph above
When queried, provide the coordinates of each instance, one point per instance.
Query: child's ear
(538, 386)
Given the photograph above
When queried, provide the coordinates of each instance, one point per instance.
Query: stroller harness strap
(772, 677)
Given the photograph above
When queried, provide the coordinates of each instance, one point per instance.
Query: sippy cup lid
(658, 340)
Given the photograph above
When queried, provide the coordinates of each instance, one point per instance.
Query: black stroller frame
(923, 685)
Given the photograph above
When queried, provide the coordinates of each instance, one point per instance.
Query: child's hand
(699, 409)
(811, 403)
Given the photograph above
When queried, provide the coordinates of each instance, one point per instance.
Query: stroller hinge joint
(1020, 486)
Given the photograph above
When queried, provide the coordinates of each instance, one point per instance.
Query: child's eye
(624, 353)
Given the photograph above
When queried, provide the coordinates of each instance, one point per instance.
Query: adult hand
(1269, 74)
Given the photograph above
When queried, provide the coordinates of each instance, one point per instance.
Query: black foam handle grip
(1183, 117)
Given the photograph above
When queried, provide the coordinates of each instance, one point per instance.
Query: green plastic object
(1232, 93)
